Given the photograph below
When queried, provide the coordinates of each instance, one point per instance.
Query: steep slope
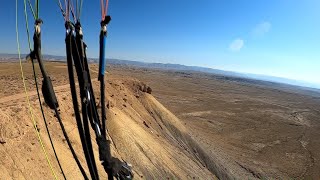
(143, 132)
(151, 137)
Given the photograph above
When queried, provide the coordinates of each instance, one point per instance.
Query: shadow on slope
(154, 140)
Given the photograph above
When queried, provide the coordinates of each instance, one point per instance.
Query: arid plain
(192, 125)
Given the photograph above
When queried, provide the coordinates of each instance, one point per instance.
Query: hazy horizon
(263, 77)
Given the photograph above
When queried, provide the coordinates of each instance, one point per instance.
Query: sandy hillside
(248, 128)
(192, 125)
(143, 132)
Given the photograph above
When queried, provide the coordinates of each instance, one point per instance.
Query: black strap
(47, 88)
(74, 98)
(45, 120)
(49, 95)
(113, 166)
(85, 102)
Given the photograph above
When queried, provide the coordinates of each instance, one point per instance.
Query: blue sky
(271, 37)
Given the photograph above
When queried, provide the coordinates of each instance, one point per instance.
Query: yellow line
(27, 98)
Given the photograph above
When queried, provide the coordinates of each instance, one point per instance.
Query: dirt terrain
(192, 125)
(251, 128)
(143, 132)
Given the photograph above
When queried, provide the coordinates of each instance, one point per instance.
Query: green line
(27, 24)
(77, 8)
(37, 8)
(27, 96)
(30, 5)
(81, 2)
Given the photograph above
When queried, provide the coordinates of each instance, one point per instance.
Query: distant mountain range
(178, 67)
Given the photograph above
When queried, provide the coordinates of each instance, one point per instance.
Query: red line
(67, 11)
(102, 10)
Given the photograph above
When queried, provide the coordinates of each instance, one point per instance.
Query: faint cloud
(261, 29)
(236, 45)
